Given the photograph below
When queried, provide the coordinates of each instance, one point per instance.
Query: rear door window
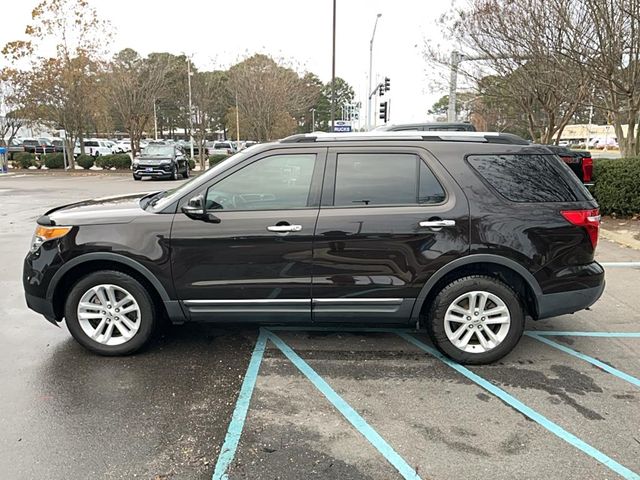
(529, 178)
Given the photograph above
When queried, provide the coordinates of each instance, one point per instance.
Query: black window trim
(503, 197)
(329, 188)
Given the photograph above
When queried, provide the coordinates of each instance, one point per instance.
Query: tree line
(537, 65)
(81, 88)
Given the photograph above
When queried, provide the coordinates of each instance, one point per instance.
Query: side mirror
(195, 209)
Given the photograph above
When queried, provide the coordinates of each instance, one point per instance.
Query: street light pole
(333, 72)
(313, 119)
(155, 119)
(371, 70)
(237, 123)
(189, 73)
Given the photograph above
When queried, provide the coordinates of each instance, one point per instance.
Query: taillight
(587, 169)
(589, 219)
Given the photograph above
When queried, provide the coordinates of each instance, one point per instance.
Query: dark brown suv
(461, 233)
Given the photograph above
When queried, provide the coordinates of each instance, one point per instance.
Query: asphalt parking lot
(273, 403)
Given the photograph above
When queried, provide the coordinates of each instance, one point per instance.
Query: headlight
(44, 234)
(165, 162)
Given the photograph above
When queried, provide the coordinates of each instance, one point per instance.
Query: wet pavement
(164, 413)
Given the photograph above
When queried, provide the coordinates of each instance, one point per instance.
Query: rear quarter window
(529, 178)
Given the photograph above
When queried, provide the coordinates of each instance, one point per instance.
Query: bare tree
(270, 97)
(604, 41)
(519, 41)
(58, 89)
(211, 101)
(10, 118)
(133, 84)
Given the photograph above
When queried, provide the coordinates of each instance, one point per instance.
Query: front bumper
(153, 170)
(38, 272)
(41, 306)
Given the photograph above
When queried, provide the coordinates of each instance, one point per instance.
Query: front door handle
(438, 223)
(284, 228)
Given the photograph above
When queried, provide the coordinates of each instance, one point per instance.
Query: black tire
(435, 322)
(174, 172)
(148, 314)
(186, 171)
(136, 177)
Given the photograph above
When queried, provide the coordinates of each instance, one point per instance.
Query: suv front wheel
(110, 313)
(476, 320)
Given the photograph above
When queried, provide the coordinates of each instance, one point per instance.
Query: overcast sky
(217, 34)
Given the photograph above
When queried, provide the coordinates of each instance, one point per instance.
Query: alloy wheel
(477, 321)
(109, 314)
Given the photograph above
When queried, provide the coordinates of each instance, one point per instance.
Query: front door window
(280, 182)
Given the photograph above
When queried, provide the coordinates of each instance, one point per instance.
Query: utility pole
(313, 119)
(189, 73)
(456, 58)
(371, 70)
(333, 72)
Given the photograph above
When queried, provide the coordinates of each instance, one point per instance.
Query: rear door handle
(284, 228)
(438, 223)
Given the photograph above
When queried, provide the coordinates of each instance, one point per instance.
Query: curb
(625, 239)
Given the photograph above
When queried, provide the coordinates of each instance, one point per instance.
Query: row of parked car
(45, 145)
(99, 146)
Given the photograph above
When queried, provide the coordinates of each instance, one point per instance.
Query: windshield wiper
(153, 198)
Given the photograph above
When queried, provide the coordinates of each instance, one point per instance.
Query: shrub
(215, 159)
(24, 159)
(54, 160)
(192, 164)
(120, 161)
(617, 185)
(85, 161)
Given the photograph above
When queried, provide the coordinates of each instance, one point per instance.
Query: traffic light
(381, 90)
(387, 84)
(384, 112)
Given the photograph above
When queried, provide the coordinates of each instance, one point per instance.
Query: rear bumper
(554, 304)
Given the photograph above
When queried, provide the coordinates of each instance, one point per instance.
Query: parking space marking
(353, 417)
(525, 410)
(620, 264)
(553, 333)
(607, 368)
(232, 438)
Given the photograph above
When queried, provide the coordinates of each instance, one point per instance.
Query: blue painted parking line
(230, 445)
(551, 333)
(353, 417)
(528, 411)
(594, 361)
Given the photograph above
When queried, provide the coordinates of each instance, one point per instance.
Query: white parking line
(620, 264)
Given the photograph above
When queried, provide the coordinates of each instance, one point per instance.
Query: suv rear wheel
(110, 313)
(476, 320)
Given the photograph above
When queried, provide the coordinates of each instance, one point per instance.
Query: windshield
(166, 198)
(222, 145)
(158, 151)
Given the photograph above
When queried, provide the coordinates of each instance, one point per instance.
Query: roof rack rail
(432, 136)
